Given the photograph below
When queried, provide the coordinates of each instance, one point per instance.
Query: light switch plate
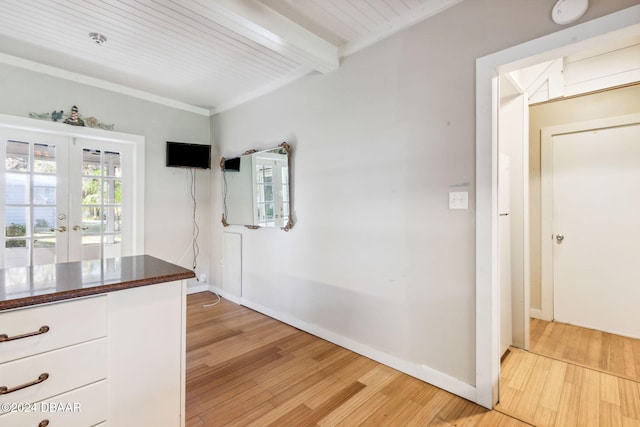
(459, 200)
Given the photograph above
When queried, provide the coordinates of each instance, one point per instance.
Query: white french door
(64, 198)
(100, 199)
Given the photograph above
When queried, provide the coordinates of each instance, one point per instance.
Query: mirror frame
(287, 148)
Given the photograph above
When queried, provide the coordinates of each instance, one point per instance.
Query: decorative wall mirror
(256, 189)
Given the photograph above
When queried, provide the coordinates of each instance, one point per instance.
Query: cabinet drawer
(83, 407)
(67, 368)
(69, 323)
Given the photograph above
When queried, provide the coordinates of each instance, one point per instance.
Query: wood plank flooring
(572, 376)
(548, 392)
(598, 350)
(244, 368)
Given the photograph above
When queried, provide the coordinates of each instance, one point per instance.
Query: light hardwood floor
(573, 376)
(244, 368)
(548, 392)
(599, 350)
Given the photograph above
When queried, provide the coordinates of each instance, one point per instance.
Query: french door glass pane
(112, 191)
(112, 219)
(90, 220)
(16, 221)
(91, 191)
(30, 203)
(44, 158)
(44, 221)
(44, 190)
(101, 203)
(17, 189)
(17, 156)
(112, 164)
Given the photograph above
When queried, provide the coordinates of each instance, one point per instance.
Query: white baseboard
(197, 289)
(419, 371)
(537, 314)
(225, 295)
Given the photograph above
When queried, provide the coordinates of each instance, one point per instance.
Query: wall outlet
(202, 278)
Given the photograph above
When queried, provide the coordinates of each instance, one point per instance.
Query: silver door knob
(61, 229)
(559, 238)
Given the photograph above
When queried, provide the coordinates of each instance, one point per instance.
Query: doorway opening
(539, 107)
(606, 30)
(69, 195)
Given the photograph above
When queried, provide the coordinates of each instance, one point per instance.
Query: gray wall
(168, 206)
(376, 256)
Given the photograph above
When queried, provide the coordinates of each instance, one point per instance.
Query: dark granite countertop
(25, 286)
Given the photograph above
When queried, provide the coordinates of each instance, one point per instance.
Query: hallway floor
(572, 377)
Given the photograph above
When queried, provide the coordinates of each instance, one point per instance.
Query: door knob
(77, 227)
(61, 229)
(559, 238)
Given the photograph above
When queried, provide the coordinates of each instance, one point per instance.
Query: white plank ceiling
(200, 55)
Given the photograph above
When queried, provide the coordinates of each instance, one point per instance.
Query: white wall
(168, 206)
(375, 256)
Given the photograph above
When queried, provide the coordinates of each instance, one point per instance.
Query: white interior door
(513, 210)
(596, 228)
(504, 250)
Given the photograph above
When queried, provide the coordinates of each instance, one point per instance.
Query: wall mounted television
(185, 155)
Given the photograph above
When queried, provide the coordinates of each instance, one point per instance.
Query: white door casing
(616, 26)
(590, 182)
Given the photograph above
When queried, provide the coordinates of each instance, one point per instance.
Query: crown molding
(99, 83)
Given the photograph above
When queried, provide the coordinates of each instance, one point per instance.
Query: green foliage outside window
(15, 230)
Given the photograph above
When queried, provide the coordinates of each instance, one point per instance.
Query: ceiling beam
(426, 10)
(260, 24)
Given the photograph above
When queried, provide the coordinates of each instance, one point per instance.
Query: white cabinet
(146, 356)
(117, 358)
(81, 407)
(68, 323)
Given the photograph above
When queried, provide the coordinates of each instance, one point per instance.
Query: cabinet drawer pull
(43, 330)
(6, 390)
(43, 423)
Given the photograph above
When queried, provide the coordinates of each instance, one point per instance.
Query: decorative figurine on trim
(41, 116)
(56, 115)
(74, 118)
(92, 122)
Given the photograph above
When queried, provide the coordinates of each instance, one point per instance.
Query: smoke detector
(568, 11)
(97, 38)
